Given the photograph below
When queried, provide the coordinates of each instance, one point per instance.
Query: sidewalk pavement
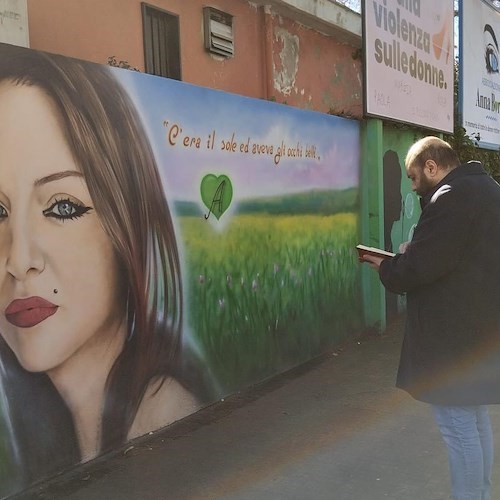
(333, 429)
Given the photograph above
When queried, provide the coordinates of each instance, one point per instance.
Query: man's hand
(373, 261)
(404, 246)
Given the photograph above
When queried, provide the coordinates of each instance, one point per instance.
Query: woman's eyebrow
(57, 176)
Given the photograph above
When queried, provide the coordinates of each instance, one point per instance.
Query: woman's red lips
(26, 313)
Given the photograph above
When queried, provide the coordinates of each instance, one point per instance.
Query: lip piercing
(55, 290)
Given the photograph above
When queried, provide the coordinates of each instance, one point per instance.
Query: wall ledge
(325, 16)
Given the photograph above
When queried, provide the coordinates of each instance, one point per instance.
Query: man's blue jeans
(467, 433)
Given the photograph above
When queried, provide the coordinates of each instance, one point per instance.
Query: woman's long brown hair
(110, 146)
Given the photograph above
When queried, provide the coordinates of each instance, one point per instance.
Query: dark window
(161, 42)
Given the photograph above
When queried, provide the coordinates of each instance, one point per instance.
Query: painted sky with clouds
(198, 111)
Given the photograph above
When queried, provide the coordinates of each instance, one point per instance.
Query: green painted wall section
(381, 142)
(400, 141)
(372, 219)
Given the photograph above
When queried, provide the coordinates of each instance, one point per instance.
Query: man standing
(450, 272)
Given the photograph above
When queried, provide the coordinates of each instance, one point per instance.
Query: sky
(175, 111)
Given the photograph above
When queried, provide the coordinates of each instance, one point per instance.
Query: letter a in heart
(216, 193)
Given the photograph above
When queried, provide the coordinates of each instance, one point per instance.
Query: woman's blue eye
(65, 209)
(3, 212)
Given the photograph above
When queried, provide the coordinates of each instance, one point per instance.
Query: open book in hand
(377, 252)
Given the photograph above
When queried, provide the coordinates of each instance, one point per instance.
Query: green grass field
(270, 292)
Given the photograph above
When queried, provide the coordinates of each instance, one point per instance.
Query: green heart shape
(216, 193)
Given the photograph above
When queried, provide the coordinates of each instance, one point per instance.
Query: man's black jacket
(451, 275)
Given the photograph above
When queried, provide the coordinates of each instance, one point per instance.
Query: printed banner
(409, 61)
(14, 22)
(479, 77)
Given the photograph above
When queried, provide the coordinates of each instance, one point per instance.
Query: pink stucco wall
(275, 58)
(312, 70)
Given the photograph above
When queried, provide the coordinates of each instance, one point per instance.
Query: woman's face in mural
(59, 283)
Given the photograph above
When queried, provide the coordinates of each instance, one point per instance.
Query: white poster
(479, 77)
(409, 61)
(14, 22)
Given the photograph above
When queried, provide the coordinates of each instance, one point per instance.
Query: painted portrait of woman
(91, 305)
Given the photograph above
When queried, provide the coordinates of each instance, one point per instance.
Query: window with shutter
(161, 42)
(218, 28)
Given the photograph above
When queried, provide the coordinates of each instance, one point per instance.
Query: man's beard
(425, 187)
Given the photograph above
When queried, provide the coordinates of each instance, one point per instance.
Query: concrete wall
(114, 27)
(313, 70)
(389, 209)
(293, 54)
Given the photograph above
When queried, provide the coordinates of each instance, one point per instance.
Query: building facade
(303, 53)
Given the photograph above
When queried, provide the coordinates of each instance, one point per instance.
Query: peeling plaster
(338, 76)
(358, 75)
(285, 76)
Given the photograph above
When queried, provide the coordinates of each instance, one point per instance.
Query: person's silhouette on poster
(392, 213)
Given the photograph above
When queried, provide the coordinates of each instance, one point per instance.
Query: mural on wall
(163, 245)
(401, 204)
(392, 195)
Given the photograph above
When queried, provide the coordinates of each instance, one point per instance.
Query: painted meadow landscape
(265, 201)
(276, 289)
